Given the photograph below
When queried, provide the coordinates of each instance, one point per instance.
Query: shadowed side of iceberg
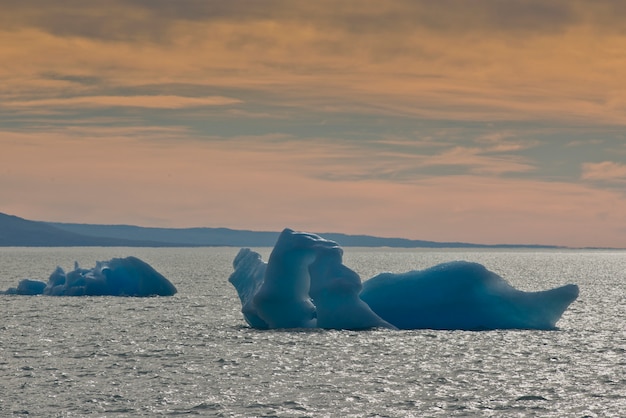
(26, 287)
(462, 296)
(247, 279)
(335, 292)
(131, 276)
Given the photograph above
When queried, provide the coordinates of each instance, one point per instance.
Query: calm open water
(192, 354)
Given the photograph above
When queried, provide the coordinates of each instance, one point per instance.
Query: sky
(486, 121)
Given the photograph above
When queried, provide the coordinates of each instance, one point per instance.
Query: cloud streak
(608, 171)
(525, 61)
(483, 121)
(151, 102)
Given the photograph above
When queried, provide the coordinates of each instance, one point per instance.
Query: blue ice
(305, 284)
(463, 296)
(128, 276)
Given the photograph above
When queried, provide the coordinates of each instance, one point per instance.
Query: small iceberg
(128, 276)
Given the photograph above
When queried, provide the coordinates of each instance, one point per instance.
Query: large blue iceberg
(305, 284)
(128, 276)
(463, 295)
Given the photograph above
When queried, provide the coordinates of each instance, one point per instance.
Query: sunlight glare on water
(193, 354)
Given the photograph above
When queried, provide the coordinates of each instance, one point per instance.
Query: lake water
(192, 354)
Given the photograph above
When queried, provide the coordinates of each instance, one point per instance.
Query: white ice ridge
(305, 284)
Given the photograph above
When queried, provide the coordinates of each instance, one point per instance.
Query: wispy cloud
(268, 183)
(151, 102)
(607, 171)
(449, 61)
(449, 114)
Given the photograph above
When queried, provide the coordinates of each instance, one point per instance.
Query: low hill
(190, 237)
(19, 232)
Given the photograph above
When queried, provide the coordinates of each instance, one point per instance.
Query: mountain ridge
(20, 232)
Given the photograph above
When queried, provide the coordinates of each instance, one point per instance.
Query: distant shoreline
(20, 232)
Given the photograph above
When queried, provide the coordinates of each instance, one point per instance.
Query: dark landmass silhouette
(19, 232)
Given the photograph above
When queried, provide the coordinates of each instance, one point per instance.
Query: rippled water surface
(192, 353)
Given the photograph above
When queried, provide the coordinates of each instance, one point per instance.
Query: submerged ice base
(305, 284)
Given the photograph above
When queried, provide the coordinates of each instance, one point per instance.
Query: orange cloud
(150, 178)
(152, 102)
(604, 171)
(527, 61)
(248, 78)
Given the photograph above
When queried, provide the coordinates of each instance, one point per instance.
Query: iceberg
(247, 278)
(461, 295)
(26, 287)
(128, 276)
(305, 284)
(335, 292)
(282, 299)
